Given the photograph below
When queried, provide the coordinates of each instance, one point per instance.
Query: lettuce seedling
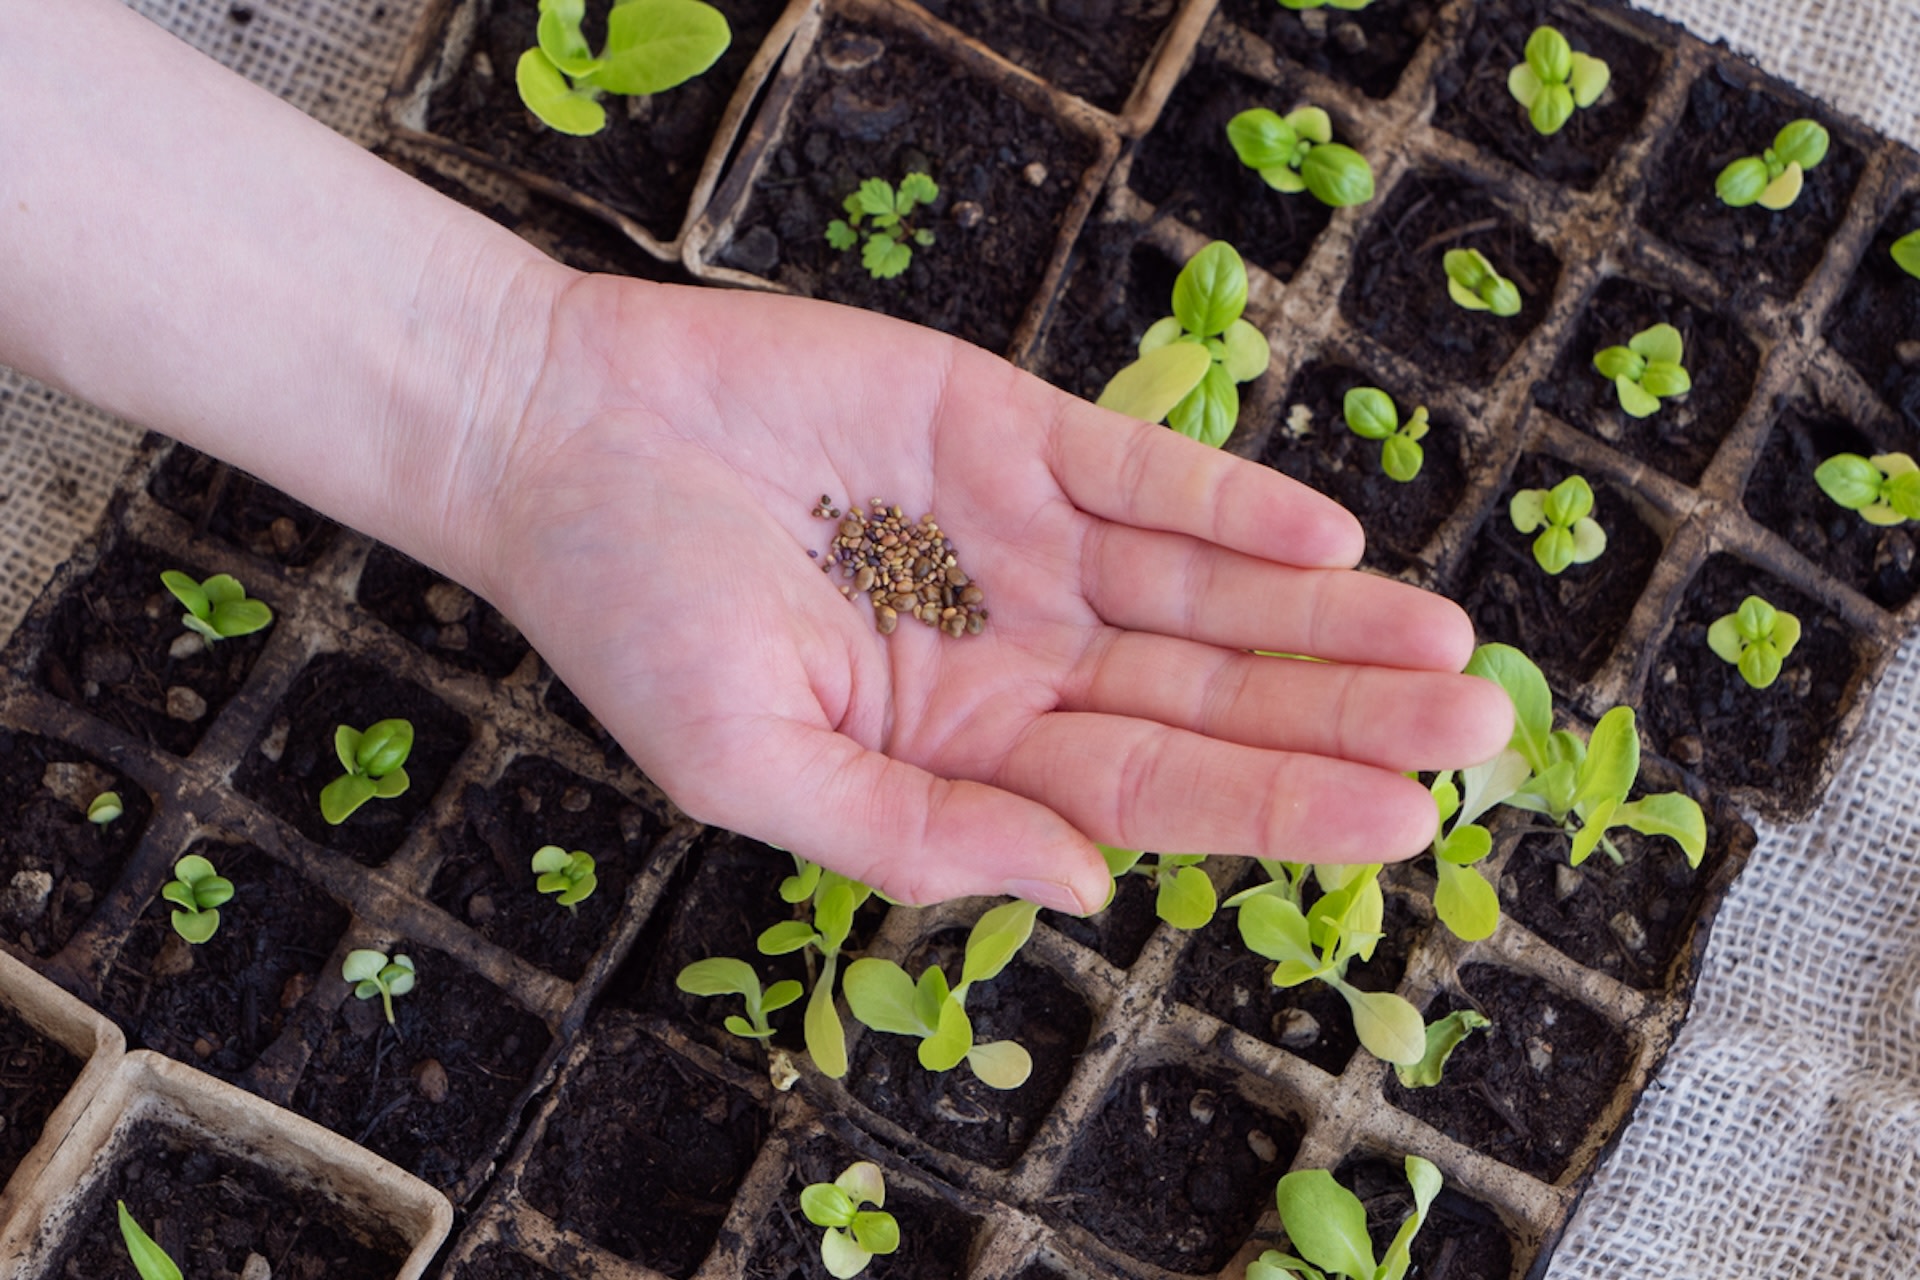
(1569, 535)
(372, 974)
(1906, 253)
(1756, 638)
(374, 761)
(1296, 152)
(1371, 415)
(652, 45)
(217, 609)
(1443, 1037)
(1554, 79)
(883, 214)
(149, 1259)
(725, 976)
(1647, 370)
(198, 891)
(854, 1235)
(1183, 894)
(1328, 1224)
(105, 808)
(1773, 179)
(1474, 285)
(1191, 361)
(568, 876)
(1884, 489)
(835, 898)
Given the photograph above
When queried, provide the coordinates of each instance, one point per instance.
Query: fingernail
(1048, 893)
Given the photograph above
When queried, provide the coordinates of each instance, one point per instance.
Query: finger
(1391, 719)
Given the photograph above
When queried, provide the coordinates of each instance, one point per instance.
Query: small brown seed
(863, 580)
(955, 577)
(972, 595)
(976, 623)
(885, 619)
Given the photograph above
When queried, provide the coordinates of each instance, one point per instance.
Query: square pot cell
(498, 1262)
(955, 1111)
(36, 1071)
(644, 1153)
(1311, 442)
(1567, 623)
(1876, 324)
(116, 647)
(879, 102)
(291, 763)
(1876, 560)
(1366, 48)
(1471, 99)
(1680, 437)
(1461, 1237)
(1117, 933)
(1527, 1089)
(224, 502)
(441, 617)
(54, 864)
(1753, 250)
(1175, 1169)
(219, 1005)
(1776, 742)
(487, 879)
(1117, 286)
(1094, 49)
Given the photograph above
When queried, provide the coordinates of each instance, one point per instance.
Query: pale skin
(627, 470)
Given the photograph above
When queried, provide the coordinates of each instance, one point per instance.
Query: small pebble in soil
(1687, 750)
(256, 1268)
(903, 567)
(1264, 1148)
(968, 214)
(1566, 882)
(1350, 38)
(285, 535)
(25, 900)
(1296, 1029)
(1203, 1105)
(185, 645)
(174, 958)
(1539, 1055)
(185, 704)
(1627, 927)
(431, 1079)
(295, 989)
(1035, 174)
(448, 602)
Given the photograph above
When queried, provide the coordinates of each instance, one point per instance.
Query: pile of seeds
(904, 567)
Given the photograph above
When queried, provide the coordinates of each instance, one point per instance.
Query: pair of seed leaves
(1647, 370)
(1756, 638)
(1884, 489)
(1296, 152)
(198, 891)
(1372, 415)
(1554, 79)
(217, 609)
(854, 1235)
(1773, 179)
(652, 45)
(1569, 534)
(373, 761)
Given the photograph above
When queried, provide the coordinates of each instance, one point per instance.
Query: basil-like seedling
(217, 609)
(1647, 370)
(374, 763)
(1296, 152)
(372, 974)
(197, 891)
(1756, 638)
(1474, 285)
(1773, 179)
(1371, 414)
(1554, 79)
(1884, 489)
(854, 1234)
(1906, 252)
(652, 45)
(1569, 534)
(568, 876)
(882, 214)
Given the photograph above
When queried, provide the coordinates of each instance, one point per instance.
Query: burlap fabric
(1783, 1137)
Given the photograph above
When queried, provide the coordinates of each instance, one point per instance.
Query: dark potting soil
(54, 864)
(1752, 249)
(1568, 623)
(497, 1262)
(900, 107)
(1397, 289)
(110, 644)
(1471, 99)
(35, 1074)
(295, 759)
(1876, 326)
(1117, 286)
(1118, 933)
(218, 1005)
(1528, 1088)
(645, 162)
(1461, 1238)
(1167, 1170)
(227, 503)
(953, 1110)
(1702, 713)
(1367, 48)
(1092, 48)
(645, 1152)
(1680, 437)
(441, 617)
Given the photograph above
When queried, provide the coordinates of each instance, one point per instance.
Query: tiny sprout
(1906, 252)
(217, 609)
(1568, 534)
(105, 808)
(149, 1259)
(198, 891)
(1755, 638)
(1475, 285)
(1296, 152)
(568, 875)
(652, 45)
(854, 1235)
(1884, 489)
(886, 253)
(1555, 79)
(373, 761)
(725, 976)
(372, 974)
(1647, 370)
(1371, 414)
(1773, 179)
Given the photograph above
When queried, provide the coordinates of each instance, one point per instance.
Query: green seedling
(725, 976)
(149, 1259)
(884, 997)
(854, 1235)
(1474, 285)
(1569, 534)
(1463, 899)
(1554, 79)
(1906, 253)
(1328, 1224)
(1774, 178)
(1756, 638)
(374, 761)
(1884, 489)
(568, 876)
(1192, 361)
(1296, 152)
(1371, 414)
(834, 900)
(1647, 370)
(883, 214)
(1443, 1037)
(105, 808)
(198, 892)
(652, 45)
(217, 609)
(372, 974)
(1183, 894)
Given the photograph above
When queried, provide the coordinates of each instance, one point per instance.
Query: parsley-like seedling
(1569, 534)
(1183, 894)
(1473, 283)
(198, 891)
(652, 45)
(375, 766)
(1296, 152)
(1328, 1224)
(372, 974)
(854, 1235)
(1884, 489)
(105, 808)
(1371, 414)
(725, 976)
(885, 215)
(217, 609)
(149, 1259)
(1647, 370)
(834, 899)
(1756, 638)
(1554, 79)
(1906, 253)
(568, 876)
(1773, 179)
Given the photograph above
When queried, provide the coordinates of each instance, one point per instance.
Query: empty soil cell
(1397, 289)
(1681, 436)
(223, 502)
(1366, 48)
(1175, 1168)
(1526, 1089)
(895, 106)
(644, 1153)
(1117, 286)
(487, 879)
(1751, 249)
(1471, 99)
(54, 864)
(1461, 1237)
(35, 1074)
(219, 1005)
(1094, 49)
(441, 617)
(1117, 933)
(1701, 713)
(286, 769)
(1876, 325)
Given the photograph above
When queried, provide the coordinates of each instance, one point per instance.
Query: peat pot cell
(644, 163)
(54, 864)
(1680, 436)
(35, 1074)
(1367, 48)
(497, 1262)
(1461, 1237)
(1116, 288)
(1876, 560)
(1094, 49)
(1176, 1169)
(1526, 1089)
(1310, 441)
(1877, 323)
(437, 1091)
(1751, 248)
(878, 103)
(442, 617)
(1119, 932)
(116, 646)
(1471, 99)
(1777, 742)
(219, 1005)
(291, 763)
(1568, 622)
(226, 503)
(644, 1153)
